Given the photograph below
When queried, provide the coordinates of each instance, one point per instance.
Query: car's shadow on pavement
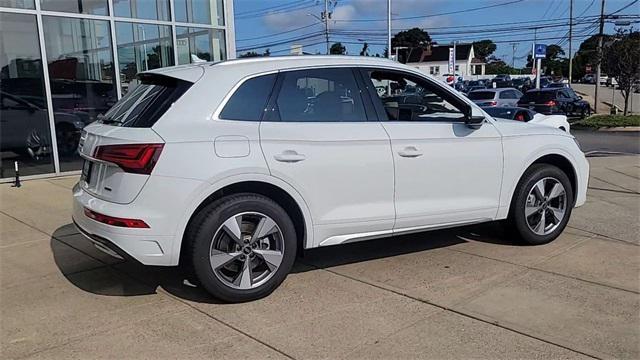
(109, 276)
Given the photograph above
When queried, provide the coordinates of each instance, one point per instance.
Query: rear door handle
(410, 152)
(289, 156)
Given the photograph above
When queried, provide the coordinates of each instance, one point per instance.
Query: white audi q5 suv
(231, 168)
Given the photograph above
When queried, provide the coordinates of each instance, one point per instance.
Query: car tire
(543, 195)
(220, 252)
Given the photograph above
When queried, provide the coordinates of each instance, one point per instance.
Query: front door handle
(410, 152)
(289, 156)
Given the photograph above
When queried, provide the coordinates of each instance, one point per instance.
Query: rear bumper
(158, 206)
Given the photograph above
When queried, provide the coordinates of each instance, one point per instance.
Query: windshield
(481, 95)
(500, 112)
(147, 102)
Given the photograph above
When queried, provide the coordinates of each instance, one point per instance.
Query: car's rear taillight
(492, 103)
(132, 158)
(550, 103)
(115, 221)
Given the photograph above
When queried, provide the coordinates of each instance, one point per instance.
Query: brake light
(550, 103)
(115, 221)
(492, 103)
(132, 158)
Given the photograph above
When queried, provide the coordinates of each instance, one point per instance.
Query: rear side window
(143, 105)
(481, 95)
(249, 100)
(538, 96)
(325, 95)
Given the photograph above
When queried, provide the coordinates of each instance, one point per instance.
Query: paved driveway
(462, 293)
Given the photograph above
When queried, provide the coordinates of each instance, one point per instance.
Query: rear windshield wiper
(105, 120)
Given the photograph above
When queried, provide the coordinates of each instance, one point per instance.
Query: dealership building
(92, 50)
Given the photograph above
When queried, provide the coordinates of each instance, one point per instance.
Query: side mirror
(474, 118)
(474, 122)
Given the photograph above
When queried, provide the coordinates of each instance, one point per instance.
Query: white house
(434, 60)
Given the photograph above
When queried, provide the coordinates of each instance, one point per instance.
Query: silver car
(496, 97)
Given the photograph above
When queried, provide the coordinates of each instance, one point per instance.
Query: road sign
(452, 61)
(540, 51)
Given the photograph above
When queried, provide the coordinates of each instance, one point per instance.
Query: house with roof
(434, 60)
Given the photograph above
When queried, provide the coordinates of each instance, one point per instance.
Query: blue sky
(281, 23)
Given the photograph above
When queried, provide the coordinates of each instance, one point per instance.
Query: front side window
(410, 98)
(326, 95)
(249, 101)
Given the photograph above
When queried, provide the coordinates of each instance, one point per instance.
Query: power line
(299, 6)
(435, 15)
(268, 8)
(278, 33)
(624, 7)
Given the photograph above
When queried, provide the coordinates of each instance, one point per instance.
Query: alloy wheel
(247, 250)
(546, 206)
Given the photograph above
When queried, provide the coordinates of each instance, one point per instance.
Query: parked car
(611, 82)
(502, 77)
(557, 85)
(588, 79)
(603, 79)
(526, 115)
(233, 168)
(472, 88)
(555, 101)
(451, 79)
(522, 84)
(495, 97)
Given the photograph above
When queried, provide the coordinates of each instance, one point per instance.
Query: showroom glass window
(142, 47)
(199, 44)
(81, 74)
(93, 7)
(142, 9)
(24, 121)
(210, 12)
(20, 4)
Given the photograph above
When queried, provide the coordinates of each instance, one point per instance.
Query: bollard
(17, 181)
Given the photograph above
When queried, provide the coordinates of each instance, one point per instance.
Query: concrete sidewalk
(461, 293)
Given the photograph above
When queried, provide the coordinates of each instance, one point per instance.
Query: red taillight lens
(550, 103)
(520, 117)
(133, 158)
(492, 103)
(115, 221)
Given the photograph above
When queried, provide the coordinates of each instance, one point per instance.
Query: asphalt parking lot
(460, 293)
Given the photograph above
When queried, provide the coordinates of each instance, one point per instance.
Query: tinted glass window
(481, 95)
(249, 101)
(95, 7)
(500, 112)
(25, 135)
(142, 9)
(538, 96)
(320, 95)
(406, 97)
(82, 77)
(147, 102)
(199, 11)
(198, 44)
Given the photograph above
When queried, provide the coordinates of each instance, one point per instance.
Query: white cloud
(283, 21)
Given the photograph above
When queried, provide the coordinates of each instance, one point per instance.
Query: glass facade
(92, 50)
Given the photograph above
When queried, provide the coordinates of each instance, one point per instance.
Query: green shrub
(598, 121)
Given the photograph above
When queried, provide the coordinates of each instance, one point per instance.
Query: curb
(621, 129)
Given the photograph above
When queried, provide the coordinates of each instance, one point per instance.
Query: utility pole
(513, 54)
(570, 38)
(599, 58)
(325, 16)
(389, 29)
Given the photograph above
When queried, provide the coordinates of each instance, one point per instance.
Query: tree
(483, 49)
(411, 38)
(250, 54)
(365, 50)
(586, 56)
(621, 60)
(498, 66)
(337, 49)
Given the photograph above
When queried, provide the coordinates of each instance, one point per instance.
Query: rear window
(538, 96)
(143, 105)
(481, 95)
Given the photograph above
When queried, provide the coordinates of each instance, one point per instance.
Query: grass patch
(599, 121)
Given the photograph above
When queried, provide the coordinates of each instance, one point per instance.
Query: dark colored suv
(555, 101)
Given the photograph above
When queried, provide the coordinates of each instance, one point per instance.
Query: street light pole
(325, 16)
(570, 38)
(389, 29)
(599, 59)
